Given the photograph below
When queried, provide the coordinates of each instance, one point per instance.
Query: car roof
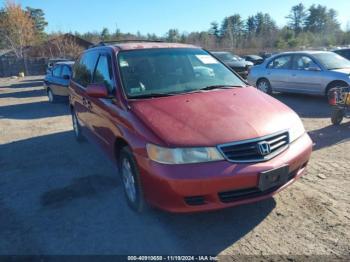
(307, 52)
(137, 45)
(339, 49)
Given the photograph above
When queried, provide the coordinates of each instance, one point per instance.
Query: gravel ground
(61, 197)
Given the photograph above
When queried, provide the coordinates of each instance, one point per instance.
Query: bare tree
(16, 28)
(64, 46)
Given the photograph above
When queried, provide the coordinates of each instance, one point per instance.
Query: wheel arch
(119, 144)
(334, 83)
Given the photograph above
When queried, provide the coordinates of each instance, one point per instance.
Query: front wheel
(337, 116)
(77, 128)
(131, 180)
(264, 86)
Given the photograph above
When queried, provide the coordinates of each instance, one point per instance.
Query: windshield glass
(171, 71)
(332, 60)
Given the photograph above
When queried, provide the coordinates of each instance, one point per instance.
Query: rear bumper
(202, 187)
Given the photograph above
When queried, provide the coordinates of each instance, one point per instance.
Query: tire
(337, 116)
(334, 85)
(52, 98)
(77, 128)
(264, 86)
(130, 177)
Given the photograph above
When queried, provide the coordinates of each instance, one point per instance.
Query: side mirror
(66, 77)
(97, 90)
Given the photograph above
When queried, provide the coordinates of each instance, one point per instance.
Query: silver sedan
(306, 72)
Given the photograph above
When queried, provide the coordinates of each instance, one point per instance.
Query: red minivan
(186, 132)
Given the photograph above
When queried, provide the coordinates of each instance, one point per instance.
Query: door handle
(294, 75)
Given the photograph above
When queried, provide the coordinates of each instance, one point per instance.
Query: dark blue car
(57, 80)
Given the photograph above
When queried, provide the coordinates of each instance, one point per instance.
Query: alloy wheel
(50, 96)
(75, 125)
(263, 86)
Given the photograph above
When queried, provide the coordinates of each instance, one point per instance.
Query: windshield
(332, 60)
(172, 71)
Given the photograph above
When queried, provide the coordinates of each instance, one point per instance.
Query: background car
(57, 80)
(344, 52)
(238, 64)
(255, 59)
(306, 72)
(51, 63)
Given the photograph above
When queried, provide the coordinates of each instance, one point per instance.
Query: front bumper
(204, 187)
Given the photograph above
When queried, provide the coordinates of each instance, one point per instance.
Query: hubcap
(128, 180)
(263, 86)
(75, 125)
(50, 96)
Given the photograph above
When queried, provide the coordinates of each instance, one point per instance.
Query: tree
(297, 18)
(38, 17)
(320, 19)
(214, 29)
(16, 28)
(251, 26)
(173, 35)
(232, 28)
(63, 45)
(105, 35)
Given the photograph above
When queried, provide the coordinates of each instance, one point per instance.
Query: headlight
(296, 131)
(183, 155)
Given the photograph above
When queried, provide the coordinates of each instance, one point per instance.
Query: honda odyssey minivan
(186, 132)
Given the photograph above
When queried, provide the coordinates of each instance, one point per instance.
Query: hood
(214, 117)
(238, 63)
(343, 71)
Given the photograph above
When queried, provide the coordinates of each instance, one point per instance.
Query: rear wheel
(337, 84)
(264, 86)
(131, 180)
(337, 116)
(51, 96)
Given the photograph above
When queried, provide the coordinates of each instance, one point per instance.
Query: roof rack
(104, 43)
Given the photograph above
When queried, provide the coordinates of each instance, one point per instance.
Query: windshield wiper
(151, 95)
(217, 87)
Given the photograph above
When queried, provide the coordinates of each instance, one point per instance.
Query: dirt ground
(61, 197)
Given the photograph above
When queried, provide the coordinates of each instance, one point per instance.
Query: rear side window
(84, 68)
(56, 72)
(281, 62)
(103, 73)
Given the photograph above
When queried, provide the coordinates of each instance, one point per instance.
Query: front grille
(247, 151)
(235, 195)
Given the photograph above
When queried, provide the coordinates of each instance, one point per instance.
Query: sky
(157, 16)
